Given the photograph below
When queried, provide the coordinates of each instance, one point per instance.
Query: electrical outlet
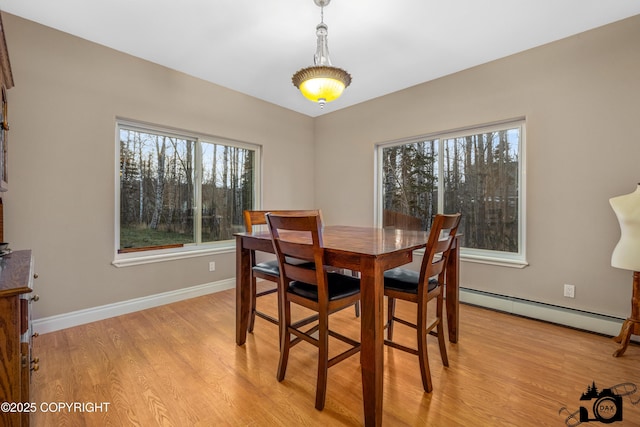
(212, 266)
(569, 291)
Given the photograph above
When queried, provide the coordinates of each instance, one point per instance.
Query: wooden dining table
(370, 251)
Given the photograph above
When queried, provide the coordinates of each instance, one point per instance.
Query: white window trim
(162, 255)
(504, 259)
(197, 249)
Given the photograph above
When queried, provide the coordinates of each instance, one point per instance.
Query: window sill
(162, 255)
(498, 261)
(501, 261)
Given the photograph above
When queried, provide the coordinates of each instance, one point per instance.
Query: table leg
(452, 291)
(372, 340)
(243, 294)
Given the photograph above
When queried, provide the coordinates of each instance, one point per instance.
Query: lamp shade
(321, 83)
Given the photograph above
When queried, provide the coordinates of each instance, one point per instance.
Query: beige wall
(580, 99)
(60, 202)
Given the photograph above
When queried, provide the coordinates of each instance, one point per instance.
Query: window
(180, 192)
(478, 172)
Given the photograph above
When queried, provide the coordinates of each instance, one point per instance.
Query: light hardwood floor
(178, 365)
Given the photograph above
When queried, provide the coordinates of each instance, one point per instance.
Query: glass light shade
(321, 83)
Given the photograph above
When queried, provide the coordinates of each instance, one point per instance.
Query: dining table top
(373, 241)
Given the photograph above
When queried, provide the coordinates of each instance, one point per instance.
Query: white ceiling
(254, 47)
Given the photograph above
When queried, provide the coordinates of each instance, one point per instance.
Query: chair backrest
(295, 238)
(443, 231)
(252, 218)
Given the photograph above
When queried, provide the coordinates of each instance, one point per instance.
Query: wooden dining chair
(319, 289)
(269, 270)
(420, 288)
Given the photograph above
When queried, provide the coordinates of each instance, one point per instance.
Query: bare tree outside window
(481, 181)
(410, 185)
(160, 190)
(227, 190)
(477, 174)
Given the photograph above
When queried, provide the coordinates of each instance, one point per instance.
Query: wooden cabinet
(16, 360)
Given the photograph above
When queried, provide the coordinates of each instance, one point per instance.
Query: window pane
(410, 185)
(156, 190)
(227, 190)
(481, 181)
(476, 172)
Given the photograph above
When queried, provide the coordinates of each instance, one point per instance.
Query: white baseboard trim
(593, 322)
(80, 317)
(584, 320)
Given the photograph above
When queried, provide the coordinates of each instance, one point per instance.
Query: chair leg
(391, 311)
(423, 357)
(441, 336)
(252, 312)
(323, 360)
(357, 304)
(285, 339)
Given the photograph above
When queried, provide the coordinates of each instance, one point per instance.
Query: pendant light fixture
(323, 82)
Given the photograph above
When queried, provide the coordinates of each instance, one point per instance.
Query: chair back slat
(302, 274)
(436, 267)
(443, 244)
(252, 218)
(304, 251)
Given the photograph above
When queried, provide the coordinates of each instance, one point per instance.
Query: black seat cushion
(403, 280)
(340, 286)
(272, 268)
